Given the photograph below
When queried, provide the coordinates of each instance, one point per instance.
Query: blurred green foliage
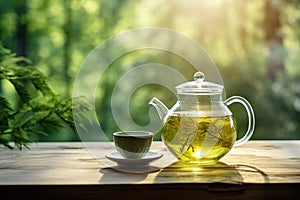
(255, 44)
(40, 111)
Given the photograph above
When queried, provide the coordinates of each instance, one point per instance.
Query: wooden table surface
(256, 170)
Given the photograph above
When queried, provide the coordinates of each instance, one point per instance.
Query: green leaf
(21, 90)
(21, 118)
(39, 82)
(5, 113)
(4, 104)
(37, 130)
(4, 140)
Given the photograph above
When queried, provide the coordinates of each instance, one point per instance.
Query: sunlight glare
(198, 154)
(214, 2)
(197, 2)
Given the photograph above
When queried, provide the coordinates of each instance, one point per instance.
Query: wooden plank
(256, 162)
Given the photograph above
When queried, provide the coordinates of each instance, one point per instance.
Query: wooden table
(256, 170)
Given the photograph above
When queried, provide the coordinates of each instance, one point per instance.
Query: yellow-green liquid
(199, 139)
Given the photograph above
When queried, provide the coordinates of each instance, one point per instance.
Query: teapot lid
(199, 86)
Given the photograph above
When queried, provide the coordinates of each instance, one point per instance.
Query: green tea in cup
(133, 144)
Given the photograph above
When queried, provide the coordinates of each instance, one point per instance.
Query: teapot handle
(251, 119)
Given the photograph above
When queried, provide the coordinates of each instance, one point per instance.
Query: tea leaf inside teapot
(195, 137)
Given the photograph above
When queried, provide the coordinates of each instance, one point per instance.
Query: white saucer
(133, 163)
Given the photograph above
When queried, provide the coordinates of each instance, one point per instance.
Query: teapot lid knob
(199, 77)
(199, 86)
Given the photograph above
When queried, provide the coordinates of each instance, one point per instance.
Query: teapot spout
(161, 109)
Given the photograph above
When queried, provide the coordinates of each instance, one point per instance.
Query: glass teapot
(200, 128)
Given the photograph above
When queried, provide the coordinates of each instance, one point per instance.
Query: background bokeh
(254, 43)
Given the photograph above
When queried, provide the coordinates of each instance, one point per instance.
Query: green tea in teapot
(195, 139)
(199, 128)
